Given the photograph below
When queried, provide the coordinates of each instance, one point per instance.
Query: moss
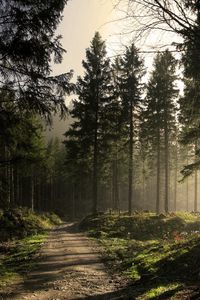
(22, 234)
(21, 222)
(159, 254)
(160, 290)
(20, 259)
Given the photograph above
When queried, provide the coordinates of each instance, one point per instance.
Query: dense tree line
(128, 141)
(28, 93)
(126, 146)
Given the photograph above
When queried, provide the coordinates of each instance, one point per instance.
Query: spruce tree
(159, 117)
(129, 68)
(89, 134)
(28, 48)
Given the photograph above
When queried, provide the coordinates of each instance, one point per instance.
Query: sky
(82, 18)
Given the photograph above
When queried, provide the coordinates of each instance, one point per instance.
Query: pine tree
(159, 116)
(130, 70)
(90, 132)
(28, 47)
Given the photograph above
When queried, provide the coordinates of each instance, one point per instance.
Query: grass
(21, 222)
(19, 258)
(22, 234)
(159, 254)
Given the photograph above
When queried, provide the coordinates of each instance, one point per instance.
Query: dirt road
(69, 268)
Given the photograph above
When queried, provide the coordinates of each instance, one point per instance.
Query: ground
(69, 267)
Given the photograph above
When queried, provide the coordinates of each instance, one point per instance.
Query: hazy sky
(81, 19)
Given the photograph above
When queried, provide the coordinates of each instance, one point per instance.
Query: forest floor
(146, 256)
(158, 253)
(68, 267)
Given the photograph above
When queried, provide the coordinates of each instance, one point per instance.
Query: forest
(128, 163)
(132, 144)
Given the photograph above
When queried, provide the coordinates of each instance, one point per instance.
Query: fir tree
(159, 117)
(28, 47)
(129, 69)
(90, 135)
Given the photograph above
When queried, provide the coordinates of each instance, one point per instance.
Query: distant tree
(21, 151)
(183, 18)
(159, 116)
(130, 71)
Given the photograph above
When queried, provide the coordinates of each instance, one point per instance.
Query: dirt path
(69, 268)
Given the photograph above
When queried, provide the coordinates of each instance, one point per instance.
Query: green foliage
(21, 222)
(158, 253)
(141, 226)
(19, 258)
(94, 113)
(28, 47)
(24, 232)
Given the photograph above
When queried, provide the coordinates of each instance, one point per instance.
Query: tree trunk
(130, 171)
(95, 152)
(166, 136)
(143, 185)
(16, 186)
(115, 185)
(158, 174)
(187, 187)
(73, 202)
(195, 183)
(32, 193)
(12, 189)
(175, 177)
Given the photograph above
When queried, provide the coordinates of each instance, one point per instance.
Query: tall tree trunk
(16, 186)
(11, 185)
(95, 174)
(95, 152)
(143, 184)
(158, 174)
(130, 171)
(32, 192)
(187, 186)
(73, 202)
(8, 183)
(195, 183)
(115, 185)
(175, 177)
(51, 204)
(166, 137)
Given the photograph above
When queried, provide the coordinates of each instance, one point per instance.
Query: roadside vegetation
(22, 232)
(158, 253)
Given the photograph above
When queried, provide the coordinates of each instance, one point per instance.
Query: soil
(69, 267)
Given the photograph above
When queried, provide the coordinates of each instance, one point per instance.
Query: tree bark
(166, 137)
(175, 177)
(130, 171)
(195, 183)
(115, 185)
(32, 193)
(95, 152)
(158, 174)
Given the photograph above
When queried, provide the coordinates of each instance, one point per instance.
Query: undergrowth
(22, 232)
(159, 253)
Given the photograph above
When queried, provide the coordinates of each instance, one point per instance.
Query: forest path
(69, 268)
